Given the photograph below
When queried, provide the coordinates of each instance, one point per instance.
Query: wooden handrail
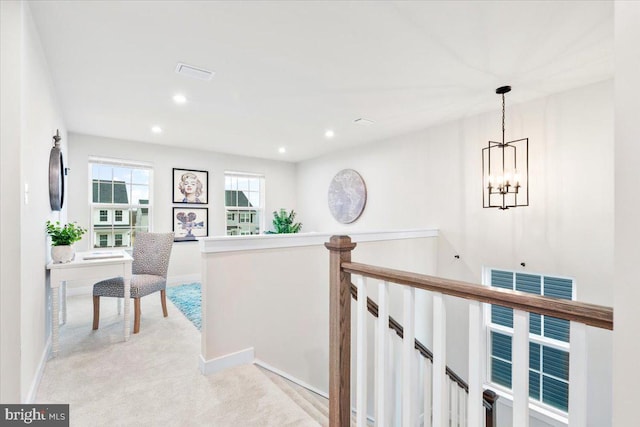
(589, 314)
(340, 271)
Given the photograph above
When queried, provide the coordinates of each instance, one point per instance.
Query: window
(120, 201)
(244, 203)
(548, 338)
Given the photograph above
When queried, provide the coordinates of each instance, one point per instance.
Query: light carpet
(153, 379)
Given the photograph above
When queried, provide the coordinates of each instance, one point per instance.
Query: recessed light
(282, 150)
(156, 129)
(363, 121)
(329, 134)
(179, 99)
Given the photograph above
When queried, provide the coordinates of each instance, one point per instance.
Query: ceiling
(287, 71)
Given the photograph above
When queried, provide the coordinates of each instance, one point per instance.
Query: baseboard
(303, 384)
(242, 357)
(182, 279)
(33, 390)
(290, 378)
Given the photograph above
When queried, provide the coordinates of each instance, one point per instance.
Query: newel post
(340, 248)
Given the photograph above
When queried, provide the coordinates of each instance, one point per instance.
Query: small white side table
(88, 265)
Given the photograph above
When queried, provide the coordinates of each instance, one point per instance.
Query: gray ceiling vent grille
(194, 72)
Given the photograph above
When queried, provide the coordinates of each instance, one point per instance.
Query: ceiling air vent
(194, 72)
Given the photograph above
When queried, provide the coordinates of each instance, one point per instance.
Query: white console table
(85, 266)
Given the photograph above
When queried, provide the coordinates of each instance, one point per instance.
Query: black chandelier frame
(506, 191)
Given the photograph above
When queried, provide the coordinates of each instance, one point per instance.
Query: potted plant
(62, 239)
(283, 222)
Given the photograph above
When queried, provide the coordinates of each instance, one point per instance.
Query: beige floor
(153, 379)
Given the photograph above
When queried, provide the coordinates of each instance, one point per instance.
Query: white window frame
(540, 409)
(232, 209)
(120, 206)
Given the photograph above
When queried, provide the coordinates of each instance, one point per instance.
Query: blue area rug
(188, 299)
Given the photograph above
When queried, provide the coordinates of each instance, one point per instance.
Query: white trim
(301, 383)
(119, 162)
(248, 174)
(274, 241)
(291, 378)
(35, 384)
(535, 411)
(242, 357)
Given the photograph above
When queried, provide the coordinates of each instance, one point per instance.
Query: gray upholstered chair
(151, 252)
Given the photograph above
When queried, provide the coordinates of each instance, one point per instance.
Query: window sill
(541, 413)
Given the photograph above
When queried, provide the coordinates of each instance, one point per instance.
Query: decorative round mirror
(56, 175)
(347, 196)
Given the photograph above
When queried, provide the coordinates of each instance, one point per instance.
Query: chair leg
(136, 317)
(163, 299)
(96, 312)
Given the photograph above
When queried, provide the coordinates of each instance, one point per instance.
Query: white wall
(432, 179)
(10, 109)
(277, 301)
(32, 119)
(627, 205)
(185, 257)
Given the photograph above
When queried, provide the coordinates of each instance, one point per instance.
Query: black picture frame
(190, 223)
(197, 178)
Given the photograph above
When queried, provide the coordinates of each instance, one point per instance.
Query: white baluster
(520, 368)
(361, 351)
(474, 400)
(578, 375)
(454, 403)
(408, 357)
(427, 393)
(382, 355)
(439, 376)
(462, 398)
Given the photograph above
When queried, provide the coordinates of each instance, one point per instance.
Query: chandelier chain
(503, 118)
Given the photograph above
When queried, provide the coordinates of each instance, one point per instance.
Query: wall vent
(194, 72)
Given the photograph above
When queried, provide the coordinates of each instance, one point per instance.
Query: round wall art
(56, 175)
(347, 196)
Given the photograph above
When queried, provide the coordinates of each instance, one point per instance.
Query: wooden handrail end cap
(340, 243)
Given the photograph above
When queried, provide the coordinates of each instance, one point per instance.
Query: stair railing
(341, 269)
(459, 387)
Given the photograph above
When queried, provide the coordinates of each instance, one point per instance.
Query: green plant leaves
(66, 234)
(283, 222)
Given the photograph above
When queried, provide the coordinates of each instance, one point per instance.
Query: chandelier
(505, 169)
